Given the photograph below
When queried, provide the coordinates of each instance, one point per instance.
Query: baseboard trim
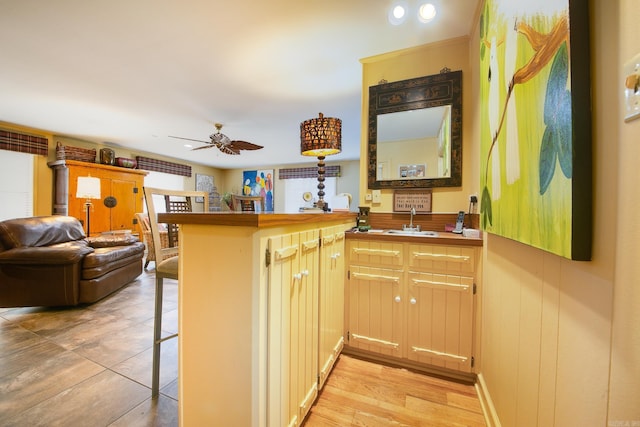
(489, 411)
(463, 377)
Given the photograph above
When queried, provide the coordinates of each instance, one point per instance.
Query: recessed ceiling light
(426, 12)
(398, 13)
(188, 145)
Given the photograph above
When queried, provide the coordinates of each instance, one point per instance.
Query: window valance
(156, 165)
(15, 141)
(289, 173)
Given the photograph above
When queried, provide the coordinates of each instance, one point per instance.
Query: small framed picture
(412, 171)
(203, 183)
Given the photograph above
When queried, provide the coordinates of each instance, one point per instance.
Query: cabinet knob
(305, 272)
(412, 301)
(397, 298)
(297, 276)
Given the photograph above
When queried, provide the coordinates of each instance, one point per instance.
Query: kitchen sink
(424, 233)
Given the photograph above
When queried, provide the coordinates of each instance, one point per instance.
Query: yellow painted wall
(560, 341)
(417, 62)
(620, 35)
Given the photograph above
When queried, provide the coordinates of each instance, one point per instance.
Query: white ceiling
(129, 73)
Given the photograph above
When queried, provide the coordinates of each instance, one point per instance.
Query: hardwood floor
(362, 393)
(91, 366)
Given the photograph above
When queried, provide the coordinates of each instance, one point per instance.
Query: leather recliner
(48, 261)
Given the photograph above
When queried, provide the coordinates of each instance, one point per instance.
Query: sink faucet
(411, 227)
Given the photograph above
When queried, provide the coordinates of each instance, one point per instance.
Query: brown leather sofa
(48, 261)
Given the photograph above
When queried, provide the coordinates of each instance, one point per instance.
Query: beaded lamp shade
(321, 137)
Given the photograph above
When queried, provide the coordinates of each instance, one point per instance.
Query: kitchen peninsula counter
(228, 340)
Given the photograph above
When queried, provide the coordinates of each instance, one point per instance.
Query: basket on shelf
(66, 152)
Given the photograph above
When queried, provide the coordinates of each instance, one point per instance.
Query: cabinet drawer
(450, 259)
(377, 254)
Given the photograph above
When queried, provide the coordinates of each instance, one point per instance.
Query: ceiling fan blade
(189, 139)
(244, 145)
(229, 149)
(203, 147)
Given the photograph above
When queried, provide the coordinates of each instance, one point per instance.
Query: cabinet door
(440, 321)
(122, 215)
(376, 254)
(332, 276)
(99, 214)
(304, 303)
(293, 326)
(125, 186)
(376, 318)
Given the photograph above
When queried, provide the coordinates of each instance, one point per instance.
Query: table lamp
(88, 188)
(320, 137)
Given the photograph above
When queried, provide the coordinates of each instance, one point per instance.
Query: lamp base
(321, 204)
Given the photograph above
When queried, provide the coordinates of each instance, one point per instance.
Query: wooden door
(99, 215)
(304, 321)
(440, 326)
(376, 313)
(332, 277)
(124, 191)
(293, 326)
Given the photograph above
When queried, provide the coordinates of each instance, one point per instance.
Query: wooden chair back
(174, 201)
(247, 203)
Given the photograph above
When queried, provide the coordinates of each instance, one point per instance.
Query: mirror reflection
(403, 134)
(415, 132)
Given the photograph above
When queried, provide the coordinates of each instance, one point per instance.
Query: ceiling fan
(223, 142)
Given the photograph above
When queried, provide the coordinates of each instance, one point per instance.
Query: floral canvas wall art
(536, 124)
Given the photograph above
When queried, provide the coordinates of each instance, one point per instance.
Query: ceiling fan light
(426, 12)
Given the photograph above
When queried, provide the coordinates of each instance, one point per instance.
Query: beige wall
(619, 41)
(417, 62)
(560, 340)
(346, 183)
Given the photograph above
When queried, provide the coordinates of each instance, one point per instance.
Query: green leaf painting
(527, 138)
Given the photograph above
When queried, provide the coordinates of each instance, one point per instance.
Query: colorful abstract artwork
(259, 183)
(536, 124)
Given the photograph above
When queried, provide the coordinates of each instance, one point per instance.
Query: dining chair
(247, 203)
(143, 220)
(159, 200)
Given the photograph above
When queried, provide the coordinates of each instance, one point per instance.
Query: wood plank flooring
(91, 366)
(362, 393)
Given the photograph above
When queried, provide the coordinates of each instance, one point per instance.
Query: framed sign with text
(404, 200)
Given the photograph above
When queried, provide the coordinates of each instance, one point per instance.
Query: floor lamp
(320, 137)
(88, 188)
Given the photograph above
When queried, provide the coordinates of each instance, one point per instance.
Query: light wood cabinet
(306, 317)
(412, 302)
(121, 194)
(294, 276)
(244, 300)
(331, 304)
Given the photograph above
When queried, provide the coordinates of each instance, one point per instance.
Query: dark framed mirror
(415, 132)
